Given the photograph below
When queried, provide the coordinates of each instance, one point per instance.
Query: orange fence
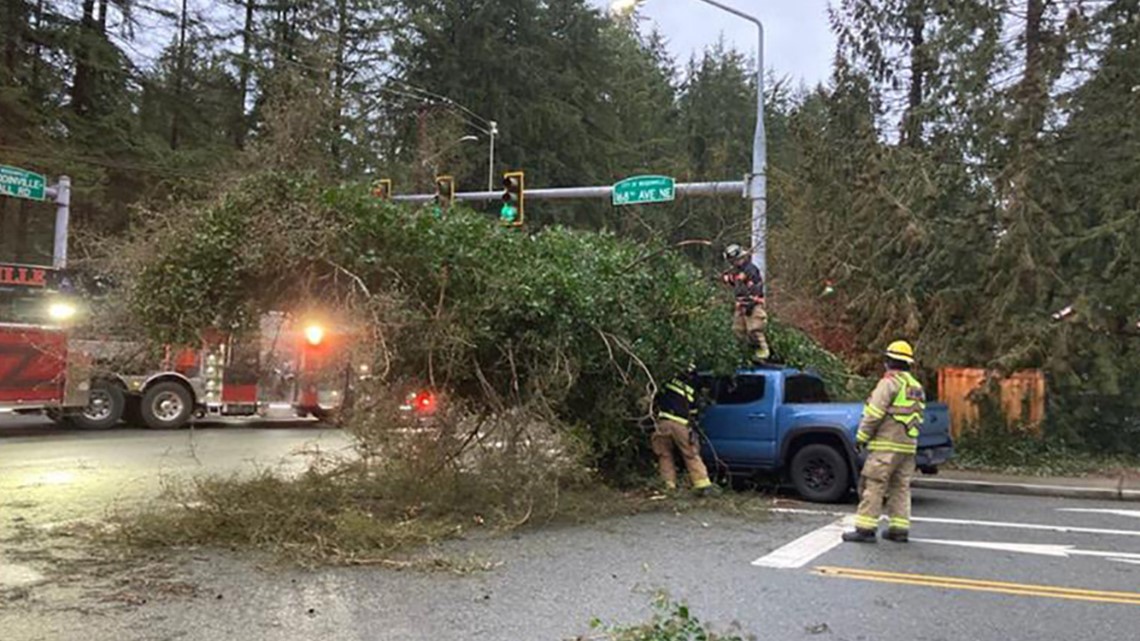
(1022, 397)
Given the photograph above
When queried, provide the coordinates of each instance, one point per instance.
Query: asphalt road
(982, 567)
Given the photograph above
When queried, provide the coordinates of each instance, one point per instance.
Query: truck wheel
(167, 406)
(104, 407)
(820, 473)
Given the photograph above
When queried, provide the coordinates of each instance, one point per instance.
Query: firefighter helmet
(901, 351)
(733, 253)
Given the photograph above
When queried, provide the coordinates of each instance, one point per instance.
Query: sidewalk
(1123, 488)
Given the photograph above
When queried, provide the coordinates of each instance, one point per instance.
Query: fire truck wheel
(104, 407)
(167, 406)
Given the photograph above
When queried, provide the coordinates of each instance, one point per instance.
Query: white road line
(1132, 561)
(1092, 510)
(1062, 551)
(994, 524)
(803, 550)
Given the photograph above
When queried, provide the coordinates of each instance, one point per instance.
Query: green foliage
(584, 323)
(1014, 452)
(671, 621)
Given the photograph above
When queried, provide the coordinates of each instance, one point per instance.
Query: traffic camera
(512, 212)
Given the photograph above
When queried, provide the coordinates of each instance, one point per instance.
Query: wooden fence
(1022, 398)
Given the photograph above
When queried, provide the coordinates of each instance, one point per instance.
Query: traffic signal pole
(729, 188)
(61, 192)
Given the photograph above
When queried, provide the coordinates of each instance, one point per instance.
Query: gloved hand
(860, 448)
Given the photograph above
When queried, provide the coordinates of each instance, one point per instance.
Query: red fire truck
(297, 361)
(38, 373)
(45, 368)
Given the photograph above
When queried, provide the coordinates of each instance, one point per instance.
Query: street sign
(24, 276)
(19, 183)
(643, 190)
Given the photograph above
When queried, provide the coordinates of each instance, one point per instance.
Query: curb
(1028, 489)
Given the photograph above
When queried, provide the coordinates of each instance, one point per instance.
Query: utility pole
(491, 164)
(758, 180)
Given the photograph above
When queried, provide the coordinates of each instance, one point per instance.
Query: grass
(1025, 454)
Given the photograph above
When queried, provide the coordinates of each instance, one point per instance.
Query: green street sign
(642, 190)
(18, 183)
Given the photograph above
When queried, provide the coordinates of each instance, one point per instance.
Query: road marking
(805, 549)
(1092, 510)
(999, 587)
(994, 524)
(1132, 561)
(1062, 551)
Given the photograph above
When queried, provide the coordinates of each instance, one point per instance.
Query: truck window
(802, 388)
(739, 390)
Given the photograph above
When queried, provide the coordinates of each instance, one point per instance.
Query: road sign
(19, 183)
(643, 190)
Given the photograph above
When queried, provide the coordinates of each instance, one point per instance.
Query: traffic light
(444, 194)
(382, 189)
(512, 212)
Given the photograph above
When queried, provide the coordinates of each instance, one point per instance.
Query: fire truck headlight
(61, 311)
(314, 334)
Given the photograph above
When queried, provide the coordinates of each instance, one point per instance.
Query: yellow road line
(1000, 587)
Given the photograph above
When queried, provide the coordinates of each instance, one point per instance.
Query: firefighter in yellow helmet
(889, 430)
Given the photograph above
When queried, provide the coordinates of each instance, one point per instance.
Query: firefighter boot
(860, 536)
(898, 536)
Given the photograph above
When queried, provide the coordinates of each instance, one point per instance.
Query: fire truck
(48, 367)
(38, 374)
(300, 361)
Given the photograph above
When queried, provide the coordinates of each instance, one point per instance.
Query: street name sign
(644, 190)
(19, 183)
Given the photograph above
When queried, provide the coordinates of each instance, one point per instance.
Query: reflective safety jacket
(892, 415)
(675, 402)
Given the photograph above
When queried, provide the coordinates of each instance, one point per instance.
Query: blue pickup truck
(781, 420)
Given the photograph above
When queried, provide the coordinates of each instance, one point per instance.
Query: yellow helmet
(901, 351)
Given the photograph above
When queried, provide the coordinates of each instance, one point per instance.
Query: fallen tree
(576, 326)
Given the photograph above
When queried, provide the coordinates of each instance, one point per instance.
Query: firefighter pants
(750, 325)
(886, 476)
(665, 436)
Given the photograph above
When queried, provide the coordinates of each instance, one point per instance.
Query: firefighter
(673, 410)
(889, 430)
(750, 319)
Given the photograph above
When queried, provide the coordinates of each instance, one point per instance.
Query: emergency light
(314, 334)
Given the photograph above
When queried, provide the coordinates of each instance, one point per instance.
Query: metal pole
(735, 188)
(491, 163)
(62, 219)
(758, 188)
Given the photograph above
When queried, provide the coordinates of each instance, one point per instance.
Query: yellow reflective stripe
(899, 523)
(862, 437)
(891, 446)
(866, 522)
(702, 484)
(872, 411)
(672, 417)
(683, 390)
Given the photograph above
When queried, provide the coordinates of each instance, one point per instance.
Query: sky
(799, 42)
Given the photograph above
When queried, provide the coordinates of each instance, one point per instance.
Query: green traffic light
(509, 213)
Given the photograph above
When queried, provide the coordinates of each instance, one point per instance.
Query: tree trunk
(81, 85)
(1032, 92)
(246, 67)
(15, 14)
(916, 27)
(180, 72)
(340, 72)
